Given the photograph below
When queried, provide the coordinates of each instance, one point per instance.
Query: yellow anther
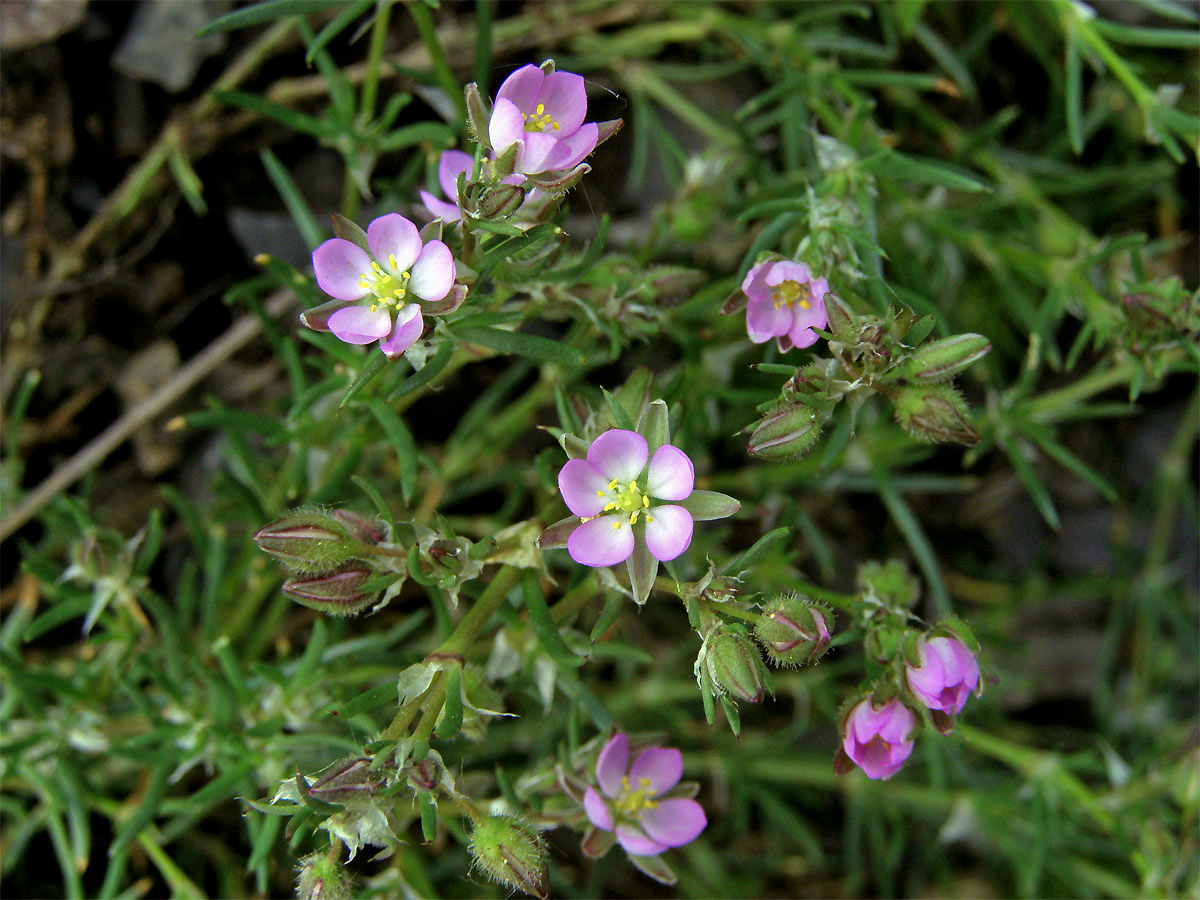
(616, 524)
(610, 507)
(392, 261)
(376, 268)
(645, 501)
(599, 493)
(649, 518)
(790, 293)
(633, 802)
(612, 484)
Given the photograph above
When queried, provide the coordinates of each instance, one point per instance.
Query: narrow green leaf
(268, 11)
(187, 179)
(543, 625)
(335, 27)
(1074, 92)
(297, 206)
(608, 616)
(764, 545)
(519, 343)
(402, 440)
(375, 364)
(452, 715)
(617, 411)
(918, 543)
(311, 125)
(432, 368)
(923, 171)
(429, 816)
(1033, 485)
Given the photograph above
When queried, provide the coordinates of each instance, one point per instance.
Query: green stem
(489, 601)
(441, 68)
(370, 88)
(1044, 408)
(575, 599)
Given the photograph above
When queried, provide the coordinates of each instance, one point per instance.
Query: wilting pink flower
(543, 115)
(786, 303)
(946, 676)
(452, 164)
(385, 281)
(879, 740)
(614, 492)
(631, 802)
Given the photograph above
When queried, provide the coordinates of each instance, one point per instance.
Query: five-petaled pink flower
(646, 823)
(948, 673)
(786, 303)
(452, 164)
(543, 115)
(879, 740)
(614, 493)
(386, 281)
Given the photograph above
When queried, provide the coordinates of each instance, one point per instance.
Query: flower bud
(794, 630)
(734, 664)
(338, 593)
(787, 433)
(560, 182)
(935, 413)
(843, 321)
(312, 540)
(478, 116)
(499, 202)
(348, 780)
(942, 359)
(511, 853)
(359, 527)
(320, 878)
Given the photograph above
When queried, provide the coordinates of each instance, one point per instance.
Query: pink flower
(543, 115)
(614, 493)
(786, 303)
(381, 282)
(948, 673)
(879, 740)
(452, 164)
(632, 804)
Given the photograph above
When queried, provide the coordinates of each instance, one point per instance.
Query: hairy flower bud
(734, 664)
(794, 630)
(349, 780)
(500, 201)
(935, 413)
(313, 540)
(843, 321)
(478, 115)
(787, 433)
(320, 878)
(338, 593)
(940, 360)
(511, 853)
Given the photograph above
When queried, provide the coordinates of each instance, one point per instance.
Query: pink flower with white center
(386, 281)
(543, 115)
(615, 494)
(879, 740)
(948, 673)
(631, 802)
(452, 164)
(786, 303)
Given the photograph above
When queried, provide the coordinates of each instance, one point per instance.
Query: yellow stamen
(633, 802)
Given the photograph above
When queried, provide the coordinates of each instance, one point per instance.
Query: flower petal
(619, 454)
(583, 488)
(612, 764)
(540, 153)
(754, 285)
(671, 475)
(661, 766)
(433, 272)
(564, 95)
(765, 320)
(409, 326)
(452, 164)
(577, 146)
(898, 723)
(339, 266)
(668, 531)
(786, 270)
(394, 241)
(358, 325)
(447, 212)
(674, 822)
(597, 810)
(506, 127)
(522, 87)
(637, 844)
(605, 541)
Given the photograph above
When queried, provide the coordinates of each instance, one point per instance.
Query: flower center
(388, 289)
(632, 803)
(789, 293)
(540, 120)
(626, 499)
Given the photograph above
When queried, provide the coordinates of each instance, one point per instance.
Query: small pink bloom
(617, 492)
(879, 740)
(452, 164)
(786, 303)
(543, 115)
(947, 675)
(380, 286)
(631, 802)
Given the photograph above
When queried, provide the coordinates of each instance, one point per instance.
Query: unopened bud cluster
(328, 550)
(511, 853)
(733, 664)
(794, 631)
